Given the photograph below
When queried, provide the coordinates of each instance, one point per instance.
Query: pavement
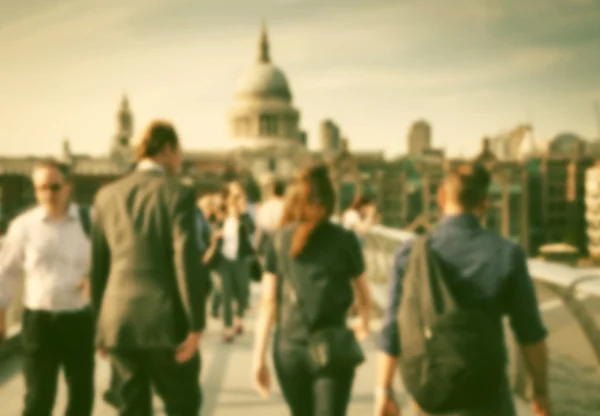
(574, 374)
(225, 378)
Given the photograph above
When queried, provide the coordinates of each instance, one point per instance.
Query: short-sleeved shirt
(483, 270)
(330, 260)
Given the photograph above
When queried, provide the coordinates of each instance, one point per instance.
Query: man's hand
(261, 376)
(541, 405)
(188, 348)
(385, 405)
(102, 353)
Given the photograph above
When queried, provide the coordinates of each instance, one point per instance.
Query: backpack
(85, 219)
(452, 358)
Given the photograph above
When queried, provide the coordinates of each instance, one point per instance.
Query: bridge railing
(13, 320)
(571, 285)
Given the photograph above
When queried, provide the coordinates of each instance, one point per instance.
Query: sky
(470, 67)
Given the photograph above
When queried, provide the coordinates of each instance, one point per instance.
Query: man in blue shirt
(485, 269)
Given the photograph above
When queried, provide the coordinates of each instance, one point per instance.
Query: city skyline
(374, 69)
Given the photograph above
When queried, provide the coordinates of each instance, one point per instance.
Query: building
(263, 123)
(419, 138)
(265, 137)
(592, 213)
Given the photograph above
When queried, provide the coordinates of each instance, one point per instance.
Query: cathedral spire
(263, 47)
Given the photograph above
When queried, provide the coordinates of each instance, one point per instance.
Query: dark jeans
(235, 287)
(138, 370)
(51, 341)
(307, 394)
(216, 295)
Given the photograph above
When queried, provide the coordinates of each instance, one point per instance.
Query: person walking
(313, 267)
(49, 245)
(146, 284)
(269, 214)
(360, 216)
(477, 277)
(234, 250)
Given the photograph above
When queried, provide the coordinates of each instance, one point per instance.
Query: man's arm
(192, 288)
(99, 259)
(389, 342)
(526, 322)
(11, 263)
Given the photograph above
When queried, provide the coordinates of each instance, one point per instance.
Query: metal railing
(13, 320)
(571, 285)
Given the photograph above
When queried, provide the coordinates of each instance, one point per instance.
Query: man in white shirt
(49, 246)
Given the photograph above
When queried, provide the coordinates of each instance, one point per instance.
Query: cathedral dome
(263, 79)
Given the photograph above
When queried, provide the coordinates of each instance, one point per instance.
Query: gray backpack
(452, 358)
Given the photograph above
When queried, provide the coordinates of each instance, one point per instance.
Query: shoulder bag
(330, 349)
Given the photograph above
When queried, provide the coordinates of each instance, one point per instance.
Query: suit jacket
(147, 285)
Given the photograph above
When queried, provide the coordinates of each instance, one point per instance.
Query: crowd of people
(135, 280)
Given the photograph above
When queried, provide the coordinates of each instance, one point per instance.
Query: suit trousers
(307, 394)
(140, 369)
(235, 286)
(52, 340)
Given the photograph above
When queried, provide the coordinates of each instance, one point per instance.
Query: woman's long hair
(316, 203)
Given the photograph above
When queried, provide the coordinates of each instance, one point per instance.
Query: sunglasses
(52, 187)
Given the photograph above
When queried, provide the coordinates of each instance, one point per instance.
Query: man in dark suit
(147, 287)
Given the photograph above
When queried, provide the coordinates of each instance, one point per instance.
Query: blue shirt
(484, 269)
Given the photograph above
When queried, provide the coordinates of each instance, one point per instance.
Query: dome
(263, 80)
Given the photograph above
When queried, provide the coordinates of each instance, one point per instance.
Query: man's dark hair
(279, 189)
(157, 135)
(468, 183)
(50, 163)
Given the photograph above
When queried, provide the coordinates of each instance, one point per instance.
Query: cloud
(454, 76)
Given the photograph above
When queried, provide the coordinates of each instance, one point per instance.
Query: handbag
(330, 349)
(255, 269)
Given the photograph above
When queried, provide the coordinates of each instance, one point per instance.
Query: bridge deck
(225, 378)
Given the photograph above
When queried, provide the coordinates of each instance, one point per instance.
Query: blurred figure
(211, 206)
(269, 214)
(311, 269)
(49, 244)
(233, 249)
(147, 285)
(360, 216)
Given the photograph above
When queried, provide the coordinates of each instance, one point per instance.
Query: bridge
(569, 298)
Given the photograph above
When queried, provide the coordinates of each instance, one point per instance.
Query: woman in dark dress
(328, 268)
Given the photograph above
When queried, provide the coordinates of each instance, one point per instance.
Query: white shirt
(269, 214)
(231, 238)
(350, 218)
(54, 257)
(148, 164)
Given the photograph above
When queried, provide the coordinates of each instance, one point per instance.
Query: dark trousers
(215, 294)
(501, 405)
(138, 370)
(51, 341)
(307, 394)
(235, 288)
